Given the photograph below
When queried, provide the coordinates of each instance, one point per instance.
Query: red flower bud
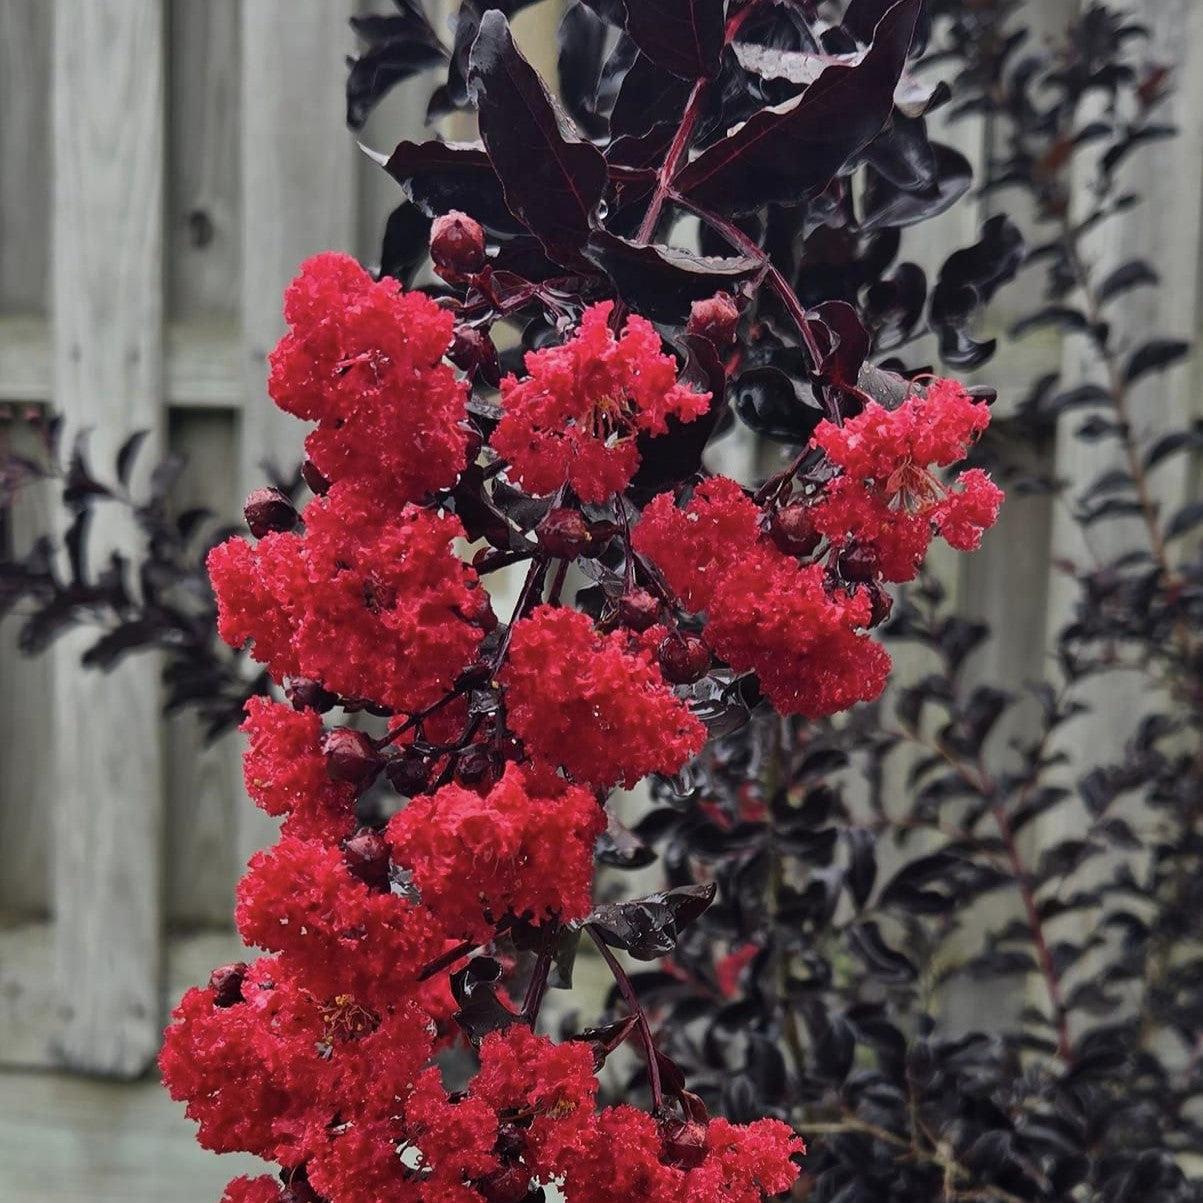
(510, 1184)
(351, 757)
(367, 857)
(792, 529)
(269, 510)
(477, 766)
(683, 659)
(226, 984)
(716, 318)
(638, 609)
(473, 350)
(882, 604)
(457, 245)
(305, 694)
(564, 533)
(317, 484)
(860, 562)
(409, 773)
(684, 1143)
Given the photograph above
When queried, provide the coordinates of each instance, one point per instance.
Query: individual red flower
(525, 847)
(252, 1190)
(300, 899)
(285, 771)
(371, 609)
(887, 498)
(587, 702)
(576, 415)
(364, 360)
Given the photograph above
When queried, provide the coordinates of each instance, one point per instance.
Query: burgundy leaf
(552, 179)
(682, 36)
(662, 282)
(790, 152)
(439, 176)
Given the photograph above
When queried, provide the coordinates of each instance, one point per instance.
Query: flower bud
(226, 984)
(269, 510)
(715, 318)
(351, 757)
(792, 529)
(638, 609)
(882, 603)
(859, 562)
(317, 484)
(472, 350)
(367, 857)
(684, 1143)
(684, 659)
(476, 766)
(457, 245)
(510, 1184)
(564, 533)
(409, 773)
(305, 694)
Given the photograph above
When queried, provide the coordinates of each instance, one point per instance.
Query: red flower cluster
(575, 417)
(377, 609)
(321, 1054)
(764, 610)
(795, 620)
(592, 703)
(886, 497)
(364, 360)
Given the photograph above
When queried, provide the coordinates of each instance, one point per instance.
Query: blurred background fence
(164, 166)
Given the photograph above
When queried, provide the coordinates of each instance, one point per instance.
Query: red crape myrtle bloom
(764, 610)
(886, 496)
(326, 1055)
(573, 419)
(364, 360)
(593, 705)
(377, 609)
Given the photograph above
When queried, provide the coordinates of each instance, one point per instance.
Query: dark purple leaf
(662, 282)
(682, 36)
(552, 179)
(886, 204)
(440, 176)
(790, 152)
(1155, 356)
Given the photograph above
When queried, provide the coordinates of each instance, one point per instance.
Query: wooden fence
(164, 166)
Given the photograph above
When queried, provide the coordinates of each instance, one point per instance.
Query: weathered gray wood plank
(298, 199)
(26, 757)
(109, 117)
(203, 196)
(204, 782)
(25, 153)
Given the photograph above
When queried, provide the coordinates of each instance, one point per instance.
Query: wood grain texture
(24, 154)
(109, 116)
(204, 780)
(204, 198)
(26, 757)
(298, 199)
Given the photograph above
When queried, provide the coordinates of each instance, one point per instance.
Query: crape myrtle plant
(545, 407)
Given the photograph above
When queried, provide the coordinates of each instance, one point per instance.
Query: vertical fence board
(298, 198)
(203, 196)
(108, 90)
(25, 699)
(203, 779)
(24, 154)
